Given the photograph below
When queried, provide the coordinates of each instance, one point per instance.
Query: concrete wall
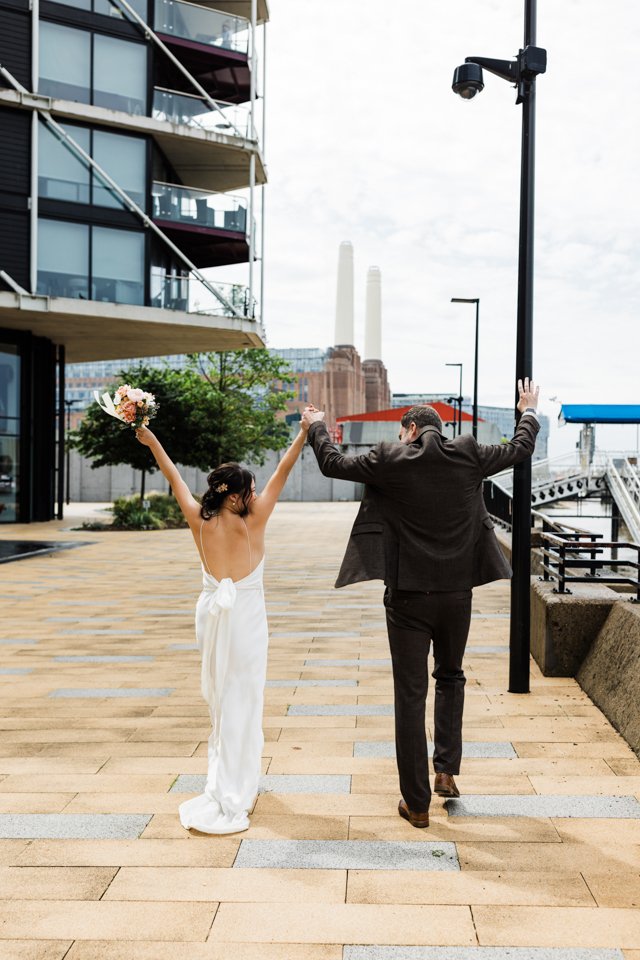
(564, 625)
(592, 634)
(305, 481)
(610, 674)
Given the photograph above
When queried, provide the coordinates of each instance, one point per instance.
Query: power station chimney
(344, 296)
(373, 316)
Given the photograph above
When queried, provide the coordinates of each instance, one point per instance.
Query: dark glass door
(9, 433)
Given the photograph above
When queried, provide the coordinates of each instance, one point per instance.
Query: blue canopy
(599, 413)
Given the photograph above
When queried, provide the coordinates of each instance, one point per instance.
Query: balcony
(187, 293)
(213, 46)
(230, 119)
(211, 228)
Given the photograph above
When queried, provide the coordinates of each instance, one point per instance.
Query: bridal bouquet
(130, 405)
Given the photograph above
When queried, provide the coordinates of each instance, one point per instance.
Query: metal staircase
(573, 476)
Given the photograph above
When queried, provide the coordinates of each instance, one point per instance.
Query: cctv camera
(467, 80)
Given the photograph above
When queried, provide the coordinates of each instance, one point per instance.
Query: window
(63, 260)
(63, 176)
(106, 7)
(119, 74)
(124, 159)
(65, 62)
(117, 265)
(93, 68)
(98, 263)
(109, 10)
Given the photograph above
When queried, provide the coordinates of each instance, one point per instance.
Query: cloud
(366, 142)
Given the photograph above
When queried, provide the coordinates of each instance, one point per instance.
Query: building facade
(130, 179)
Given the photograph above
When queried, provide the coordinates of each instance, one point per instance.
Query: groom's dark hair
(422, 416)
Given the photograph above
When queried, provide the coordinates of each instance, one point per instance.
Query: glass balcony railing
(231, 119)
(211, 28)
(199, 208)
(188, 293)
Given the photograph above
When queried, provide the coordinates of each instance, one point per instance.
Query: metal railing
(230, 119)
(202, 25)
(624, 483)
(173, 291)
(199, 208)
(582, 551)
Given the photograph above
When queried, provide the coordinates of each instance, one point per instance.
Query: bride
(231, 628)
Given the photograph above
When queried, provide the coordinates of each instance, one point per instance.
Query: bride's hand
(145, 436)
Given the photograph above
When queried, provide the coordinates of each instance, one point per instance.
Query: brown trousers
(414, 620)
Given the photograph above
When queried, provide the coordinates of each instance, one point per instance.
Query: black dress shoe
(419, 820)
(445, 785)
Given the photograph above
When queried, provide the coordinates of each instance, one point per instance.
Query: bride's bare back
(230, 545)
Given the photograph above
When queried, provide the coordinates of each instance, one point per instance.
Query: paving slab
(195, 783)
(72, 826)
(538, 806)
(312, 683)
(104, 659)
(342, 710)
(109, 692)
(347, 855)
(480, 749)
(364, 662)
(477, 953)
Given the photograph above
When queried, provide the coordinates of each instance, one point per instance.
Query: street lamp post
(467, 81)
(475, 300)
(458, 399)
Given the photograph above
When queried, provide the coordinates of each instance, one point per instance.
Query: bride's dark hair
(225, 479)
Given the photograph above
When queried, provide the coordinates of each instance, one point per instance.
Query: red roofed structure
(446, 412)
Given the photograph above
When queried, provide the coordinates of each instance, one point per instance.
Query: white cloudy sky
(366, 142)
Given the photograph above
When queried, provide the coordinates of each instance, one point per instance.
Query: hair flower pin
(222, 488)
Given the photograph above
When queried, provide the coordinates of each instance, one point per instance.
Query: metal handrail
(628, 500)
(560, 554)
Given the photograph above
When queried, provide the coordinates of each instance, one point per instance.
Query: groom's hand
(311, 415)
(528, 395)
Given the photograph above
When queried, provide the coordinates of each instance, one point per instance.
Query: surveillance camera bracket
(528, 64)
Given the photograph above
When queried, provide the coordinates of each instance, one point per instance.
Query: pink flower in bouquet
(135, 394)
(128, 411)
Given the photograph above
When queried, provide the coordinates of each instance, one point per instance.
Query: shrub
(163, 513)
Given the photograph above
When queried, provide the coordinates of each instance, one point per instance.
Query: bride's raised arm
(264, 504)
(187, 502)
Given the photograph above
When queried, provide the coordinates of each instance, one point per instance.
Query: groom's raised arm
(332, 463)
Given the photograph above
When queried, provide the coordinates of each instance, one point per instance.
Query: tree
(181, 395)
(222, 406)
(245, 398)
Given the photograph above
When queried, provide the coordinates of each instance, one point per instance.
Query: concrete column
(373, 316)
(344, 296)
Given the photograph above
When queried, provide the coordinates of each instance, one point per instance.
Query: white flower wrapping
(130, 405)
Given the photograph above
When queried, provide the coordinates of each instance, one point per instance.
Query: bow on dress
(218, 600)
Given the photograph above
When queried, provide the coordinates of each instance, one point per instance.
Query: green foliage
(163, 513)
(222, 407)
(179, 393)
(241, 416)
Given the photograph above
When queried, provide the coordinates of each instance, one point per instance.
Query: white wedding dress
(232, 635)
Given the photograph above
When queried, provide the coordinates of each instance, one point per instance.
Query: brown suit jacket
(422, 523)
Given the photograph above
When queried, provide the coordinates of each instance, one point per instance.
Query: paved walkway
(103, 734)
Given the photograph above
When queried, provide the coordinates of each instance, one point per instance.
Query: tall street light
(475, 300)
(467, 81)
(458, 399)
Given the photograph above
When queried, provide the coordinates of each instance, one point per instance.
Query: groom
(423, 528)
